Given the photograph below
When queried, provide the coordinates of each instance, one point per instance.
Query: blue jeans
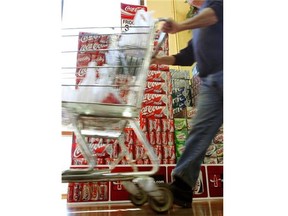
(205, 125)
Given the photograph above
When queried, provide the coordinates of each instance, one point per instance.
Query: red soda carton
(158, 138)
(158, 127)
(157, 88)
(156, 112)
(164, 138)
(151, 125)
(157, 76)
(156, 100)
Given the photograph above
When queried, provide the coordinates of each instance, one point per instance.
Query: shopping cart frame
(135, 182)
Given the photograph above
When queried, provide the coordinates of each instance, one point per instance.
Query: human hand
(154, 60)
(170, 26)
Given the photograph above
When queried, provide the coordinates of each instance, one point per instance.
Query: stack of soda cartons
(156, 117)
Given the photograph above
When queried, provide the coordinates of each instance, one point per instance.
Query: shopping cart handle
(161, 40)
(162, 37)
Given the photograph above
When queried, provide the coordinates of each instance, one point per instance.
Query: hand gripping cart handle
(102, 108)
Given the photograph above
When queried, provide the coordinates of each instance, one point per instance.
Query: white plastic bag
(86, 93)
(106, 94)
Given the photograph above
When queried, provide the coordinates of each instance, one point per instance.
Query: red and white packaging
(171, 125)
(70, 192)
(152, 137)
(169, 153)
(83, 59)
(77, 189)
(128, 12)
(158, 151)
(158, 125)
(158, 138)
(170, 138)
(143, 124)
(164, 138)
(157, 100)
(165, 124)
(163, 67)
(151, 125)
(129, 136)
(158, 76)
(156, 112)
(146, 161)
(157, 88)
(140, 152)
(153, 67)
(147, 136)
(86, 192)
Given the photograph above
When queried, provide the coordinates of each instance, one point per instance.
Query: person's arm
(184, 58)
(210, 15)
(168, 60)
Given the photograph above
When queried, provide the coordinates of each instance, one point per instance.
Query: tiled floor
(200, 208)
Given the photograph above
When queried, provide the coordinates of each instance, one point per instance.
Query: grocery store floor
(200, 208)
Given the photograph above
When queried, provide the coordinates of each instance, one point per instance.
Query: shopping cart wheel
(139, 199)
(165, 203)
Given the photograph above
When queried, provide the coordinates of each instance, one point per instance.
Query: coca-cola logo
(81, 72)
(152, 73)
(99, 46)
(151, 96)
(155, 84)
(97, 148)
(86, 47)
(99, 58)
(132, 9)
(84, 59)
(84, 38)
(151, 109)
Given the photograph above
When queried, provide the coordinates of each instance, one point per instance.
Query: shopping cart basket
(104, 109)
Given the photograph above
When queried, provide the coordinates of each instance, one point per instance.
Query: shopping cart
(125, 70)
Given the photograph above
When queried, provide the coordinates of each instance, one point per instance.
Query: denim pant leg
(205, 125)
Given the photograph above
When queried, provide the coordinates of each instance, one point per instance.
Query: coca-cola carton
(170, 138)
(158, 151)
(86, 192)
(163, 67)
(168, 152)
(152, 137)
(144, 124)
(129, 136)
(128, 12)
(153, 67)
(158, 76)
(157, 100)
(157, 88)
(158, 138)
(156, 112)
(83, 59)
